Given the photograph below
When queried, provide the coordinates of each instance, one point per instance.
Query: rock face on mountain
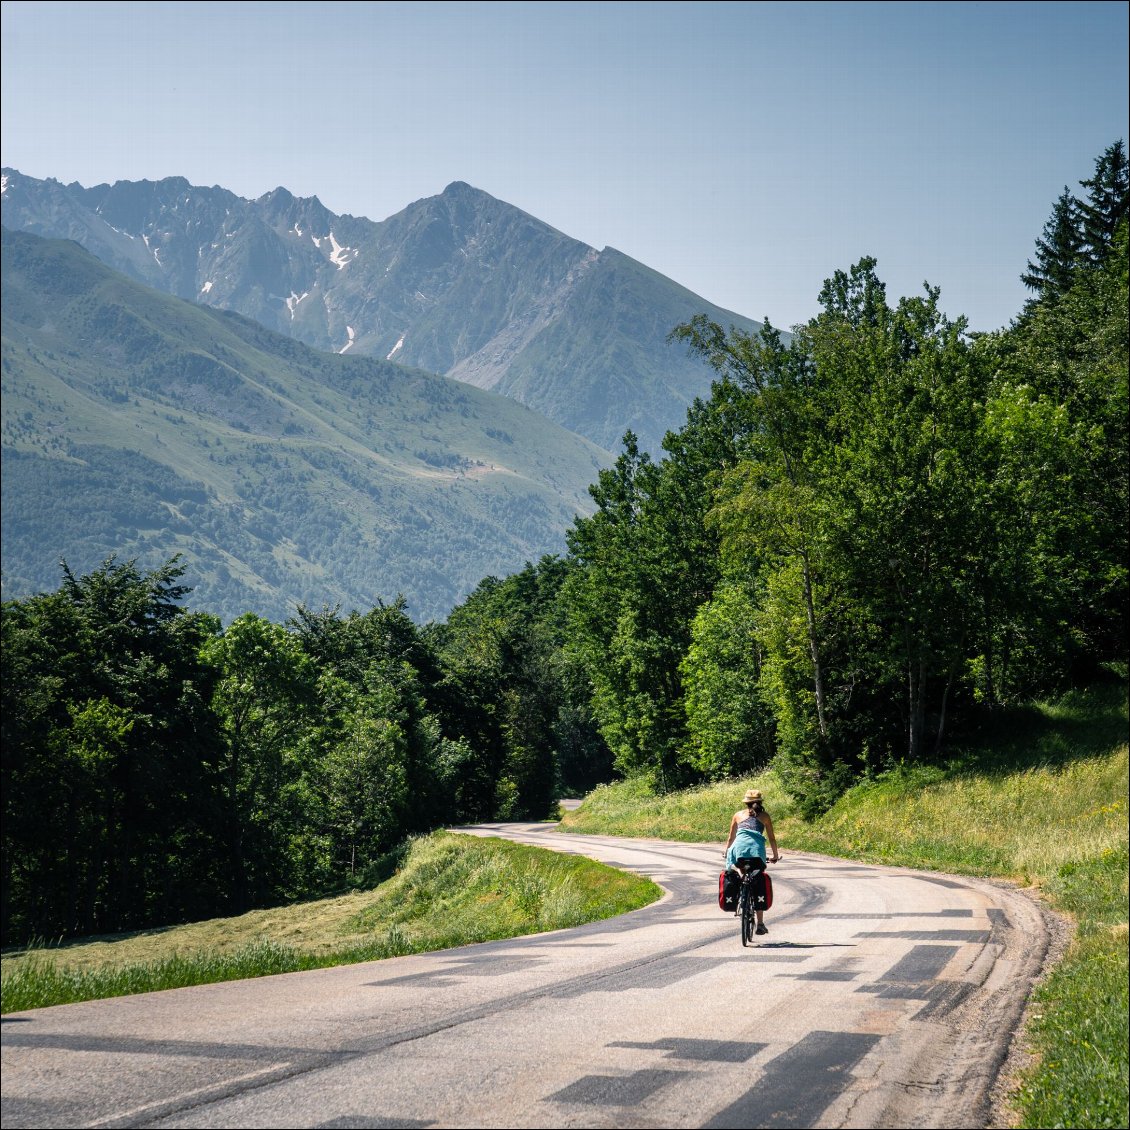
(460, 284)
(140, 425)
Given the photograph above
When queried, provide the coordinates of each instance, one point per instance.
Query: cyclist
(748, 833)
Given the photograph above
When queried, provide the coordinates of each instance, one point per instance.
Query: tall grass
(1039, 796)
(449, 891)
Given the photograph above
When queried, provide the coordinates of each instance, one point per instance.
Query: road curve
(881, 997)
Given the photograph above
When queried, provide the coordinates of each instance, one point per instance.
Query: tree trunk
(813, 645)
(942, 714)
(917, 719)
(990, 659)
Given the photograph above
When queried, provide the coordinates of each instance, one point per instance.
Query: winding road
(881, 997)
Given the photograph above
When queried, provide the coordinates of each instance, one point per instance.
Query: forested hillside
(157, 768)
(868, 535)
(871, 531)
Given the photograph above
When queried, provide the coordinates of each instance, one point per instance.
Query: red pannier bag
(762, 891)
(729, 884)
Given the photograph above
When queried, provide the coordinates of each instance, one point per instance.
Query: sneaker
(762, 929)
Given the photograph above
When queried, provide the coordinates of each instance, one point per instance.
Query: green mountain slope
(139, 424)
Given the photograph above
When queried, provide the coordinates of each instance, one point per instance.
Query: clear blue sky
(744, 150)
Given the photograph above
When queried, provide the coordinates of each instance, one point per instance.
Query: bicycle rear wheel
(746, 914)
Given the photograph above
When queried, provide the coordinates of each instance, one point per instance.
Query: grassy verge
(1039, 798)
(451, 890)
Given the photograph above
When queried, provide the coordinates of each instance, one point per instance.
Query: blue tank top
(748, 840)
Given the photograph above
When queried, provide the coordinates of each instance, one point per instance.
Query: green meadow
(447, 890)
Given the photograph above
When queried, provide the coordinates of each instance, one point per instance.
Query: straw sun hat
(751, 795)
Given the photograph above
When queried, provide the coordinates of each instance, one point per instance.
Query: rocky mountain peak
(462, 284)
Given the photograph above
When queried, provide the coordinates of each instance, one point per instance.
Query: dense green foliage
(110, 760)
(871, 531)
(158, 768)
(448, 891)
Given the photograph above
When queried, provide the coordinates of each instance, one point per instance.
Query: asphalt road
(879, 998)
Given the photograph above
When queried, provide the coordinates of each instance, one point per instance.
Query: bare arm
(768, 824)
(733, 831)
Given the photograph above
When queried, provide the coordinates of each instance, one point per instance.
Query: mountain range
(459, 284)
(140, 425)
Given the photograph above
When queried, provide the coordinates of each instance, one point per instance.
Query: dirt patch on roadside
(1021, 1057)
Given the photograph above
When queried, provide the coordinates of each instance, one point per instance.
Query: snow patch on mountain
(154, 250)
(293, 301)
(396, 347)
(341, 255)
(206, 287)
(352, 335)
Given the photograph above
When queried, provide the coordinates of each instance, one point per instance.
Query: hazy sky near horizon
(744, 150)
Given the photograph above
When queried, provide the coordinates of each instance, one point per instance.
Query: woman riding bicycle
(748, 833)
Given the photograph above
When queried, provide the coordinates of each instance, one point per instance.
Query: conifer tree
(1058, 253)
(1080, 233)
(1106, 204)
